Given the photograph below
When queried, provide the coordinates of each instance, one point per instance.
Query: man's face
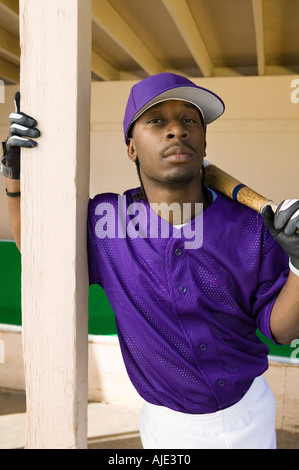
(169, 142)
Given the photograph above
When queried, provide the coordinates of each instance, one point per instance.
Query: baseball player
(186, 314)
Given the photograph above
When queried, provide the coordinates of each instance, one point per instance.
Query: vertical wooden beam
(55, 89)
(257, 7)
(2, 91)
(106, 16)
(182, 16)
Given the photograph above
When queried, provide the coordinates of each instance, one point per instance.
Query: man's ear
(131, 150)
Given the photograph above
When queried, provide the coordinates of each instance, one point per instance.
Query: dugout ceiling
(135, 38)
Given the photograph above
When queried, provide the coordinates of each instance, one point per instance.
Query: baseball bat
(234, 189)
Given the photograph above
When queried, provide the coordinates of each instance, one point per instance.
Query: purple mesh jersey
(187, 318)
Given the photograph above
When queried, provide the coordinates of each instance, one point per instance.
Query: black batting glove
(283, 226)
(22, 126)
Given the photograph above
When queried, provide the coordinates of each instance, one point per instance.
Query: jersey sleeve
(273, 273)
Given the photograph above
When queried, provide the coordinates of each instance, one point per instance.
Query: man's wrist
(12, 186)
(294, 266)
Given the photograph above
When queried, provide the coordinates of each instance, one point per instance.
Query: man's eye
(155, 120)
(189, 120)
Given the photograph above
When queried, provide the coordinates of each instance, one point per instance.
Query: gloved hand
(22, 126)
(283, 227)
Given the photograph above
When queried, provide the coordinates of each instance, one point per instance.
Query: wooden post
(55, 89)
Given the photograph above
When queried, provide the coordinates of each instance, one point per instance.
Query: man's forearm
(284, 321)
(14, 208)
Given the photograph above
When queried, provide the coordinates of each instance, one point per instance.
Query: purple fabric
(186, 318)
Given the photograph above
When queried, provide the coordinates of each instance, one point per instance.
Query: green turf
(101, 316)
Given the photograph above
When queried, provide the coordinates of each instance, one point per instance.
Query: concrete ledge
(108, 380)
(108, 427)
(284, 382)
(107, 377)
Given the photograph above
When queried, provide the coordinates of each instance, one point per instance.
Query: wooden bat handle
(234, 189)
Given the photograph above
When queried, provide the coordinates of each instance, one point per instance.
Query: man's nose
(176, 129)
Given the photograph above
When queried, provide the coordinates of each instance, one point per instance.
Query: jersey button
(178, 252)
(203, 347)
(183, 289)
(221, 383)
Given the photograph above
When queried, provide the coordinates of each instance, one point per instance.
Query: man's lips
(178, 153)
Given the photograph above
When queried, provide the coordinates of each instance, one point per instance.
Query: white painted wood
(55, 89)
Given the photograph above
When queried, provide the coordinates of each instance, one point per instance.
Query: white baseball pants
(249, 424)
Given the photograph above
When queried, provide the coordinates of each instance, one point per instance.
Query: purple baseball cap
(169, 86)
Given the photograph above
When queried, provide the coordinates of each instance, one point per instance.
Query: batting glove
(283, 227)
(22, 126)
